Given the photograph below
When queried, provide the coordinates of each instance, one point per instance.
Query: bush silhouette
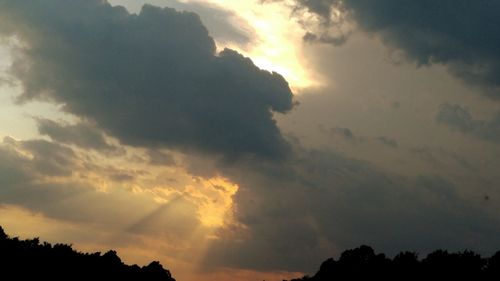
(31, 260)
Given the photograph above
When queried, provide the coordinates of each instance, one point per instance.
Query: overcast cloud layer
(320, 203)
(459, 118)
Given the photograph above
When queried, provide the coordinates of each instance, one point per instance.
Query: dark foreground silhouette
(31, 260)
(363, 264)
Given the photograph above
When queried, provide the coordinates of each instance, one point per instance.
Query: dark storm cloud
(461, 34)
(83, 135)
(459, 118)
(321, 203)
(152, 79)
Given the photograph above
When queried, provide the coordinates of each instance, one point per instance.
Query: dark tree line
(364, 264)
(31, 260)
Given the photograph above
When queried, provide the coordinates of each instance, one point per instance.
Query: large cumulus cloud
(224, 25)
(461, 34)
(152, 79)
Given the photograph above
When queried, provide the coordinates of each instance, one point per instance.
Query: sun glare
(279, 39)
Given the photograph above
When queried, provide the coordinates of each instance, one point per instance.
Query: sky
(250, 139)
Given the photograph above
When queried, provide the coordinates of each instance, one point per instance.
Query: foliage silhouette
(363, 264)
(31, 260)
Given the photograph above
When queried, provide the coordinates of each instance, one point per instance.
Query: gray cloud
(46, 158)
(13, 168)
(320, 203)
(151, 79)
(459, 118)
(439, 157)
(460, 34)
(346, 134)
(21, 175)
(160, 158)
(438, 186)
(325, 38)
(83, 135)
(387, 141)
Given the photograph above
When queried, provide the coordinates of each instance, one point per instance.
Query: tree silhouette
(405, 266)
(364, 264)
(31, 260)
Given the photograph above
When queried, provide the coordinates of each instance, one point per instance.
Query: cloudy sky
(238, 140)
